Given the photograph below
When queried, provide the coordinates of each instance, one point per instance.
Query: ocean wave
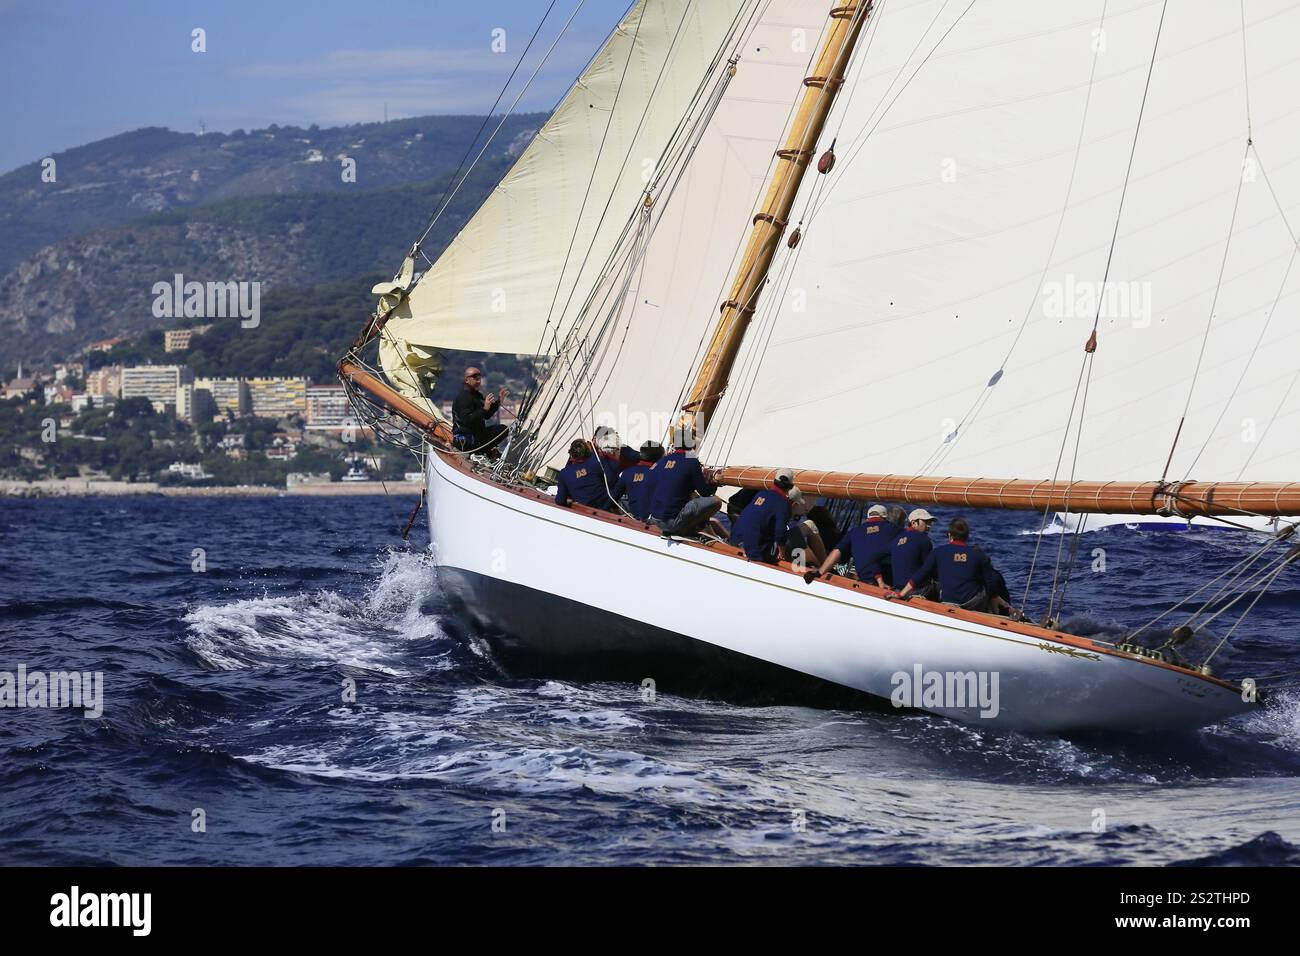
(323, 626)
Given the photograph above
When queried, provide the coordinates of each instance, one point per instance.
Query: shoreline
(88, 488)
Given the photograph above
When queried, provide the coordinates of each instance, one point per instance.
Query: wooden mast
(846, 25)
(1184, 498)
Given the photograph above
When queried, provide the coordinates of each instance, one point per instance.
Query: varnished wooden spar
(1189, 499)
(349, 371)
(847, 20)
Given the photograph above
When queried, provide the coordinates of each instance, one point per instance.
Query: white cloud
(353, 85)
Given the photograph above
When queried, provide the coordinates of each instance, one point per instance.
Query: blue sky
(73, 71)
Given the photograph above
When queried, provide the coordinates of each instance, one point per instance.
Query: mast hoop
(742, 309)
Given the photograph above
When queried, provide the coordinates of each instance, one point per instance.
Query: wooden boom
(353, 373)
(1185, 498)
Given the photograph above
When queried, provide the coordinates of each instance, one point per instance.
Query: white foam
(322, 626)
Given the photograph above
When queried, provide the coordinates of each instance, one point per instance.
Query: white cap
(920, 514)
(785, 477)
(798, 503)
(607, 439)
(877, 511)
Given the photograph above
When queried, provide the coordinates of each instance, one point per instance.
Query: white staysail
(930, 263)
(546, 230)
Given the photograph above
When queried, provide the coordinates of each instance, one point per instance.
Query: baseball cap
(877, 511)
(785, 477)
(920, 514)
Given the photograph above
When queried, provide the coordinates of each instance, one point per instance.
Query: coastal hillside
(100, 285)
(135, 175)
(79, 258)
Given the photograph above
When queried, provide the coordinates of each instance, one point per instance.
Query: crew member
(607, 445)
(803, 540)
(910, 549)
(582, 479)
(470, 412)
(677, 477)
(965, 573)
(867, 546)
(761, 527)
(635, 482)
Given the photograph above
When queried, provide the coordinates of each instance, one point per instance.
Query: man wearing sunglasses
(470, 413)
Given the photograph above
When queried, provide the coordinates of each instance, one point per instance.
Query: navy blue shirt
(909, 551)
(676, 476)
(612, 465)
(762, 524)
(583, 482)
(963, 571)
(635, 482)
(867, 546)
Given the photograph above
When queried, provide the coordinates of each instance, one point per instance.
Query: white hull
(554, 583)
(1067, 522)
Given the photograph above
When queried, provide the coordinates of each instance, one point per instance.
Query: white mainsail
(929, 246)
(525, 251)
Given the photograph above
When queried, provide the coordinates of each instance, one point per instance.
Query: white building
(158, 383)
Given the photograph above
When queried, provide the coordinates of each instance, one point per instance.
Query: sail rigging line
(1268, 576)
(676, 167)
(852, 83)
(671, 162)
(1085, 371)
(588, 368)
(1209, 323)
(945, 447)
(754, 361)
(551, 49)
(1249, 361)
(860, 140)
(671, 170)
(1089, 349)
(695, 99)
(595, 166)
(729, 334)
(1245, 69)
(487, 118)
(1053, 605)
(1236, 570)
(706, 327)
(820, 188)
(1226, 589)
(1295, 245)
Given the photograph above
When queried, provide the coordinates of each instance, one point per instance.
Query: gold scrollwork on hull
(1069, 651)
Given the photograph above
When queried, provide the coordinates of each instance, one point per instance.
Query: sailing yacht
(1045, 245)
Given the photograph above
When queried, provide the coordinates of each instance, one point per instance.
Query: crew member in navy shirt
(910, 549)
(761, 526)
(636, 481)
(583, 479)
(965, 573)
(867, 546)
(677, 477)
